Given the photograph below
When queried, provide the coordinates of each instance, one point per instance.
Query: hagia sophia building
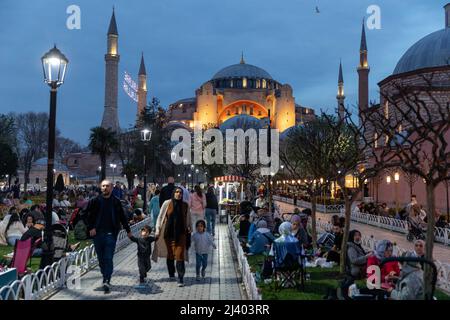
(245, 90)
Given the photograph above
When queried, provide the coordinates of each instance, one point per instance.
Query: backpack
(80, 231)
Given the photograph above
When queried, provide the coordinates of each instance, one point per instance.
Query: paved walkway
(222, 281)
(441, 252)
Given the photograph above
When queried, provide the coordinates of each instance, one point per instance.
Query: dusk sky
(185, 42)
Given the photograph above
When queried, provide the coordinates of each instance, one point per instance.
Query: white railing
(441, 235)
(247, 276)
(331, 208)
(46, 281)
(369, 243)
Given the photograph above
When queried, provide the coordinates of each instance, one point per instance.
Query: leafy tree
(103, 142)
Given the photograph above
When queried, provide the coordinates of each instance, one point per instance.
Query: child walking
(202, 241)
(144, 246)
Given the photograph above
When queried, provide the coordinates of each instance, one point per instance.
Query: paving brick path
(222, 281)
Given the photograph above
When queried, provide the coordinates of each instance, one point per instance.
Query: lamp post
(396, 180)
(192, 176)
(185, 162)
(99, 172)
(113, 166)
(196, 175)
(54, 65)
(146, 135)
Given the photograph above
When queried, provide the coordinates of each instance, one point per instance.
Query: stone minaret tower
(340, 95)
(142, 88)
(110, 116)
(363, 72)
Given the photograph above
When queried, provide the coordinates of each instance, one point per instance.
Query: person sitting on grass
(334, 255)
(244, 227)
(298, 231)
(356, 263)
(390, 270)
(261, 239)
(35, 232)
(410, 285)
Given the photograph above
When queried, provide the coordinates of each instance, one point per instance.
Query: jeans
(12, 240)
(201, 260)
(210, 220)
(154, 218)
(105, 245)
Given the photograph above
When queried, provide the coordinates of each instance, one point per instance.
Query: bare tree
(32, 139)
(307, 154)
(411, 131)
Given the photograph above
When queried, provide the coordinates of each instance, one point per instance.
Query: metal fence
(332, 208)
(248, 277)
(46, 281)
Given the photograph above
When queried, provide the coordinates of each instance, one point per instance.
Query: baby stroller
(60, 241)
(416, 229)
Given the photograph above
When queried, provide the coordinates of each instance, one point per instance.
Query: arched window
(264, 83)
(231, 83)
(244, 82)
(258, 84)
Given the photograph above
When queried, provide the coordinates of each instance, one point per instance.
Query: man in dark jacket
(212, 207)
(167, 191)
(105, 219)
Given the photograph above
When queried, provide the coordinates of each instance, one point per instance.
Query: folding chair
(288, 264)
(22, 253)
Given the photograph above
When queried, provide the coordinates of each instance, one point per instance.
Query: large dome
(431, 51)
(242, 70)
(242, 121)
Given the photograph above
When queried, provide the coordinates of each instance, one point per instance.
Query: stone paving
(441, 252)
(222, 281)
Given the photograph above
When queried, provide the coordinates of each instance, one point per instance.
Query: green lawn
(315, 289)
(36, 261)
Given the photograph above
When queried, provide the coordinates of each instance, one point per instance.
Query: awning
(229, 179)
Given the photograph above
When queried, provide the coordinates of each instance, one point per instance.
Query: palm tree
(103, 142)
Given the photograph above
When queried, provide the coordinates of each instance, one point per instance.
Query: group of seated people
(259, 229)
(398, 282)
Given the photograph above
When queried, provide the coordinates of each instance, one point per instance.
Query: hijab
(175, 223)
(381, 247)
(351, 238)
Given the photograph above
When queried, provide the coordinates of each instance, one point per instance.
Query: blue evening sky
(185, 42)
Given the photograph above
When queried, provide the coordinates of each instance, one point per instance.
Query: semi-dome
(242, 121)
(242, 70)
(431, 51)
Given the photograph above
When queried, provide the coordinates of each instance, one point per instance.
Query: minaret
(363, 72)
(142, 88)
(242, 58)
(340, 95)
(110, 116)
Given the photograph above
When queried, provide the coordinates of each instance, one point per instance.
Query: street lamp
(196, 175)
(113, 166)
(388, 179)
(185, 162)
(396, 179)
(192, 175)
(54, 65)
(146, 136)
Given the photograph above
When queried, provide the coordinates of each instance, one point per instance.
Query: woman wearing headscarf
(261, 239)
(356, 261)
(172, 228)
(390, 270)
(285, 230)
(298, 230)
(410, 286)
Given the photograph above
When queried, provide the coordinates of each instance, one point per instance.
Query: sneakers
(106, 287)
(180, 284)
(203, 273)
(197, 278)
